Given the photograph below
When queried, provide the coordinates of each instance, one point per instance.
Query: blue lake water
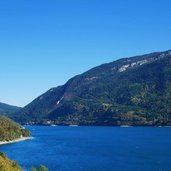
(94, 149)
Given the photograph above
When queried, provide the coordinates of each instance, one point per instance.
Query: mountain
(128, 91)
(8, 109)
(9, 130)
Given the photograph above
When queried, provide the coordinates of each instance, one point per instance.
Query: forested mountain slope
(131, 91)
(8, 109)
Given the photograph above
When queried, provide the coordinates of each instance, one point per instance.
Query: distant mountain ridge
(129, 91)
(8, 109)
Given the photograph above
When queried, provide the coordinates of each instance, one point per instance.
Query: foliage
(8, 109)
(33, 168)
(40, 168)
(10, 130)
(107, 95)
(8, 165)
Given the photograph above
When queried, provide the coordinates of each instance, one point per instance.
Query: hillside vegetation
(9, 130)
(131, 91)
(8, 165)
(6, 109)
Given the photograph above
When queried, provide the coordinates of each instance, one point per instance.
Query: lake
(94, 148)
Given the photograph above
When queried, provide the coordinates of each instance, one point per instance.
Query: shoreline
(15, 141)
(153, 126)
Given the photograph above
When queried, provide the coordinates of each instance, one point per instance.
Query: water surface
(94, 149)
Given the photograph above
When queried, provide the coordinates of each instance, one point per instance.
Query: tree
(42, 168)
(33, 168)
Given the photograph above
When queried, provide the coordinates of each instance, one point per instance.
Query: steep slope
(8, 109)
(132, 91)
(9, 130)
(8, 165)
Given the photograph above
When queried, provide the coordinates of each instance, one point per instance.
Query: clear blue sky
(43, 43)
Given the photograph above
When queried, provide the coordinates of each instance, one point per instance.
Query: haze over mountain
(8, 109)
(131, 91)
